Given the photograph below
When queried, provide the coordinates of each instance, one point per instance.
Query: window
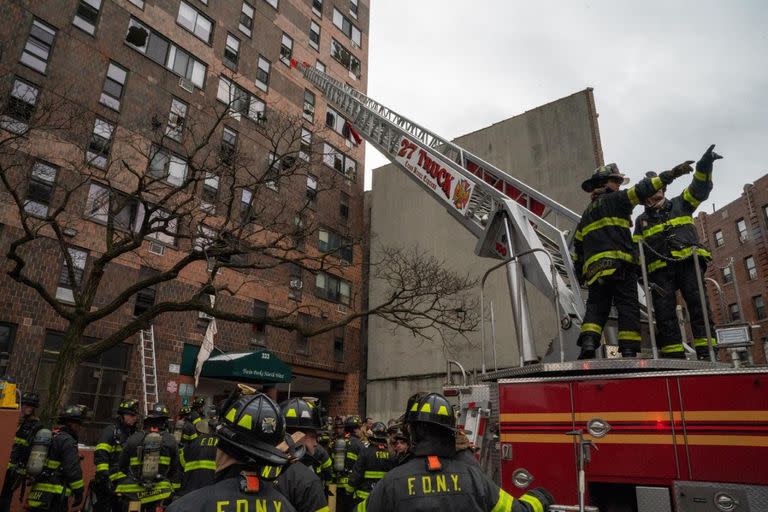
(331, 242)
(309, 105)
(100, 144)
(144, 40)
(273, 3)
(104, 204)
(727, 275)
(286, 50)
(195, 21)
(338, 345)
(37, 50)
(162, 227)
(299, 232)
(176, 118)
(171, 168)
(67, 285)
(345, 58)
(333, 288)
(232, 51)
(272, 174)
(295, 282)
(319, 66)
(759, 304)
(302, 342)
(312, 188)
(112, 91)
(262, 74)
(741, 227)
(240, 102)
(145, 298)
(260, 310)
(335, 121)
(87, 15)
(7, 335)
(210, 192)
(305, 146)
(206, 237)
(344, 206)
(749, 264)
(765, 214)
(353, 8)
(228, 146)
(20, 107)
(40, 192)
(314, 35)
(246, 208)
(733, 309)
(246, 19)
(337, 160)
(138, 3)
(317, 7)
(719, 240)
(347, 28)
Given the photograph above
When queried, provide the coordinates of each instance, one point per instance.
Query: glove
(543, 496)
(683, 168)
(705, 162)
(77, 498)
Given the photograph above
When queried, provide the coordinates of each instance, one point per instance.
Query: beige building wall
(551, 148)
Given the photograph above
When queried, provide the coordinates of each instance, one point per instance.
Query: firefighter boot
(628, 352)
(702, 353)
(588, 347)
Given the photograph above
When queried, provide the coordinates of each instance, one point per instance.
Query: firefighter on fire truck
(29, 424)
(605, 256)
(431, 479)
(667, 229)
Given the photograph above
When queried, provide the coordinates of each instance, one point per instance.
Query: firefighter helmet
(432, 408)
(31, 399)
(601, 176)
(379, 432)
(185, 411)
(73, 413)
(198, 402)
(352, 422)
(300, 414)
(250, 427)
(159, 411)
(129, 406)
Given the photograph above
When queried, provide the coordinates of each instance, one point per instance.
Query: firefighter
(297, 482)
(149, 460)
(193, 418)
(197, 458)
(29, 424)
(178, 426)
(605, 256)
(250, 427)
(351, 446)
(431, 479)
(62, 475)
(372, 463)
(398, 441)
(669, 234)
(304, 416)
(464, 448)
(106, 456)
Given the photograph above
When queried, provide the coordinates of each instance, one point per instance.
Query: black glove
(543, 496)
(77, 498)
(705, 162)
(668, 177)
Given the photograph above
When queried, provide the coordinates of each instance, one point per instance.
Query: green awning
(255, 367)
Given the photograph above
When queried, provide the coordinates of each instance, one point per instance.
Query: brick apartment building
(737, 234)
(188, 52)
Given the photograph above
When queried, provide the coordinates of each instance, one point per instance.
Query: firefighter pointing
(432, 480)
(605, 256)
(667, 229)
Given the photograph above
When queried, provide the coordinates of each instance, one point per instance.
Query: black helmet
(300, 414)
(379, 431)
(74, 413)
(159, 411)
(601, 175)
(251, 426)
(198, 402)
(128, 406)
(432, 408)
(30, 398)
(185, 411)
(352, 422)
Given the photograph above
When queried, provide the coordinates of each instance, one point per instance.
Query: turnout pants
(10, 484)
(619, 289)
(680, 275)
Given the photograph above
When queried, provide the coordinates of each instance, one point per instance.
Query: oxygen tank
(38, 452)
(339, 454)
(178, 430)
(150, 456)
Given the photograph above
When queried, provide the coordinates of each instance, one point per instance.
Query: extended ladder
(507, 216)
(148, 367)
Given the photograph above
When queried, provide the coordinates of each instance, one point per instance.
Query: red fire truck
(618, 435)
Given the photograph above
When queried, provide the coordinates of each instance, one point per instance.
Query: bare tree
(179, 180)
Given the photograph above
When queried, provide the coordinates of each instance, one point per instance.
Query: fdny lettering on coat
(433, 484)
(249, 505)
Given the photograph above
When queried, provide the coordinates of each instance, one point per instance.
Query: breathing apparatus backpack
(38, 453)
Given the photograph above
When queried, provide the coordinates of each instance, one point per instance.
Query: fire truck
(609, 434)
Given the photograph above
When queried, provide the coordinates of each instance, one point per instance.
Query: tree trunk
(63, 375)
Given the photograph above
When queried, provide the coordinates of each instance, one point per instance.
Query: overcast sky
(669, 77)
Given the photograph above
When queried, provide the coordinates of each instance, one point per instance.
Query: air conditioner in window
(187, 85)
(341, 308)
(156, 248)
(204, 315)
(296, 284)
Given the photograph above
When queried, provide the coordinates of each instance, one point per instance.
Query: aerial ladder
(512, 221)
